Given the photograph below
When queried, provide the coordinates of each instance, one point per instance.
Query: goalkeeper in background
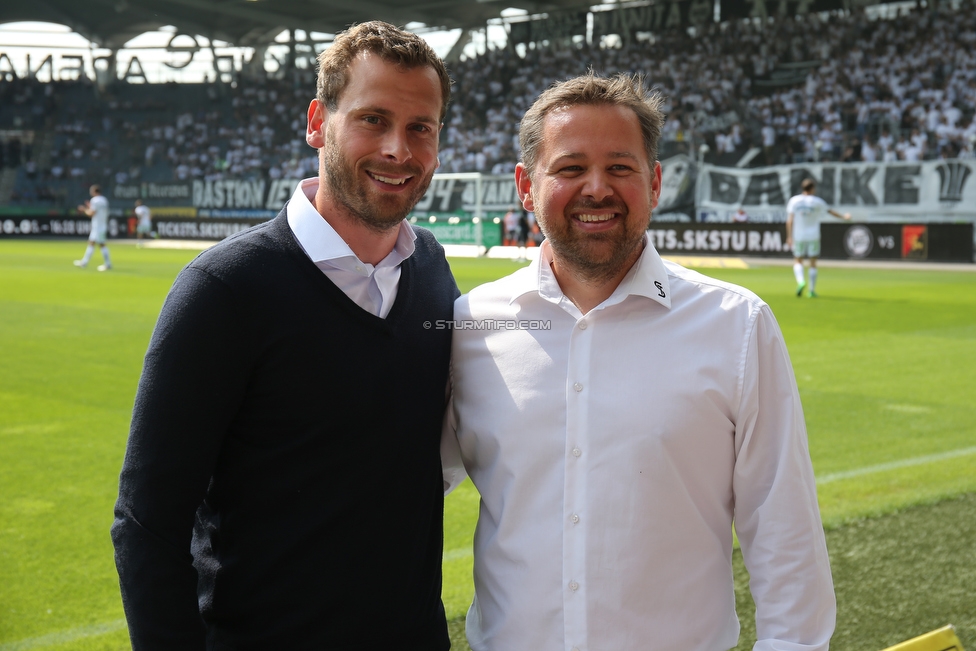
(803, 214)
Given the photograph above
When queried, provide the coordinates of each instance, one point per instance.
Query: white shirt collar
(323, 244)
(648, 277)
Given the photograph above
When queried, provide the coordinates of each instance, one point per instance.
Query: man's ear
(655, 185)
(315, 131)
(523, 184)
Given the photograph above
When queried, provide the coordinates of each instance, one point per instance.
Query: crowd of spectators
(901, 88)
(884, 90)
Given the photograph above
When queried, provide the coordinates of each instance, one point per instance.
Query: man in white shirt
(97, 209)
(619, 413)
(803, 215)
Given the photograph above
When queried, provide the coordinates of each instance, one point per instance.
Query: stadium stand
(819, 87)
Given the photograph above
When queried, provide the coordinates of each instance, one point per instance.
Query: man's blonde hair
(589, 89)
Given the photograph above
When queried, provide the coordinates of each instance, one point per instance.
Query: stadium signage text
(76, 66)
(171, 192)
(739, 239)
(201, 229)
(243, 194)
(447, 194)
(229, 194)
(871, 191)
(44, 225)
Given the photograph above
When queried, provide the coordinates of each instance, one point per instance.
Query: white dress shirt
(614, 450)
(373, 288)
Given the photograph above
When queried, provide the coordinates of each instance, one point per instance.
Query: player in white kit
(144, 227)
(97, 209)
(803, 214)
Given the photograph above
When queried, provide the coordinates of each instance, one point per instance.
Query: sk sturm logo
(914, 242)
(952, 177)
(858, 241)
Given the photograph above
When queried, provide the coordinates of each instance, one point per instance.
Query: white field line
(449, 555)
(63, 637)
(73, 634)
(892, 465)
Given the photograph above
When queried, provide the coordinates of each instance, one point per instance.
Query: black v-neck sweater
(282, 484)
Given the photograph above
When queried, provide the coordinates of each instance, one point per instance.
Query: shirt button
(577, 452)
(575, 518)
(578, 387)
(582, 325)
(574, 586)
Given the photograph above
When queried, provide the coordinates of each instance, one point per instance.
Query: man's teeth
(386, 179)
(595, 218)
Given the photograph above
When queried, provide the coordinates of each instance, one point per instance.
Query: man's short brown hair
(395, 45)
(589, 89)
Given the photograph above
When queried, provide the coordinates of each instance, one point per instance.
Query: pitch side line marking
(62, 637)
(450, 555)
(894, 465)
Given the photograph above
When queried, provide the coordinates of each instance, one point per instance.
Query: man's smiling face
(593, 188)
(379, 146)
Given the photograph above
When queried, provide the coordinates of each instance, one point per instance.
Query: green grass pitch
(885, 361)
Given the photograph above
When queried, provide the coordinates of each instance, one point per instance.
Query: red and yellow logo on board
(914, 242)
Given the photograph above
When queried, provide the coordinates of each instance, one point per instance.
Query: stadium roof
(112, 23)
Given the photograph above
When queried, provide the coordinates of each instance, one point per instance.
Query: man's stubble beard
(353, 195)
(579, 253)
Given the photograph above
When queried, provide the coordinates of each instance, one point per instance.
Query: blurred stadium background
(875, 100)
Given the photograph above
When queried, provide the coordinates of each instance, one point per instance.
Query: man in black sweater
(282, 484)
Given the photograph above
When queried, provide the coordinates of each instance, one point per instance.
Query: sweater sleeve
(192, 385)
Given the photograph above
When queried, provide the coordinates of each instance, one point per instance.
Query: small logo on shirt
(660, 289)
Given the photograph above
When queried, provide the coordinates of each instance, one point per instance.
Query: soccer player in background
(636, 412)
(803, 214)
(144, 225)
(282, 484)
(97, 210)
(510, 223)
